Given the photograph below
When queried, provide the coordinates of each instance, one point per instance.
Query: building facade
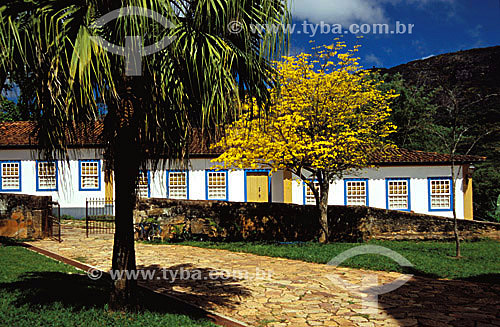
(403, 180)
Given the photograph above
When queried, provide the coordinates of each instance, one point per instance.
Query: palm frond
(196, 82)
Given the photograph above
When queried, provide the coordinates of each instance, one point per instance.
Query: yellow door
(108, 188)
(257, 187)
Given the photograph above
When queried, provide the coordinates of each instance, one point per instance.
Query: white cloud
(476, 31)
(338, 11)
(420, 46)
(427, 57)
(373, 59)
(349, 11)
(294, 51)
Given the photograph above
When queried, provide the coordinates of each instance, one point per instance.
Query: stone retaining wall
(367, 223)
(290, 222)
(24, 216)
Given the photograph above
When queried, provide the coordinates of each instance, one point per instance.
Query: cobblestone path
(264, 291)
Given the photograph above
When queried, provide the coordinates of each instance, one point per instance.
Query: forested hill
(476, 68)
(472, 77)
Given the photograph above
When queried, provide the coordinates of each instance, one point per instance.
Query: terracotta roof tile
(17, 133)
(404, 156)
(22, 135)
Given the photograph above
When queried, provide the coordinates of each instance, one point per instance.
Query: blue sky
(440, 26)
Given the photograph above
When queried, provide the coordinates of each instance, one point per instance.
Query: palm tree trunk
(126, 167)
(323, 211)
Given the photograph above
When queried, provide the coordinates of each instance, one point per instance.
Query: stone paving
(282, 292)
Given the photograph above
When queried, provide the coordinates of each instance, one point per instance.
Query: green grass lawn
(480, 262)
(38, 291)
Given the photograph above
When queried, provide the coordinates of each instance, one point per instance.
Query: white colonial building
(404, 180)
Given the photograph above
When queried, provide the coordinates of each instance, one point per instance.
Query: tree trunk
(323, 211)
(454, 206)
(126, 167)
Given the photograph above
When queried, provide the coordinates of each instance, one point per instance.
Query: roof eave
(34, 147)
(215, 155)
(427, 163)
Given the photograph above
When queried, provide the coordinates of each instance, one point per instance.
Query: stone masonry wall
(290, 222)
(24, 216)
(367, 223)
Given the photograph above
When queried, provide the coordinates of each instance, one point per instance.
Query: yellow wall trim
(287, 187)
(468, 194)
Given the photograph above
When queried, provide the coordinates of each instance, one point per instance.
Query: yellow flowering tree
(326, 118)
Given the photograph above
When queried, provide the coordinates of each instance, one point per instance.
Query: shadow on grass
(78, 291)
(43, 288)
(484, 278)
(9, 241)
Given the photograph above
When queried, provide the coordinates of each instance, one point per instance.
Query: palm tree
(196, 81)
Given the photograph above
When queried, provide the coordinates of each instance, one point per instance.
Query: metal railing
(53, 228)
(99, 216)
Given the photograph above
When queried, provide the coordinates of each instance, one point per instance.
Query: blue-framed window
(144, 184)
(178, 184)
(216, 185)
(268, 172)
(10, 176)
(308, 195)
(356, 192)
(89, 175)
(440, 194)
(46, 176)
(397, 194)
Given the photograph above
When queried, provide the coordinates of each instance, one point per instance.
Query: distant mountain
(476, 68)
(473, 75)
